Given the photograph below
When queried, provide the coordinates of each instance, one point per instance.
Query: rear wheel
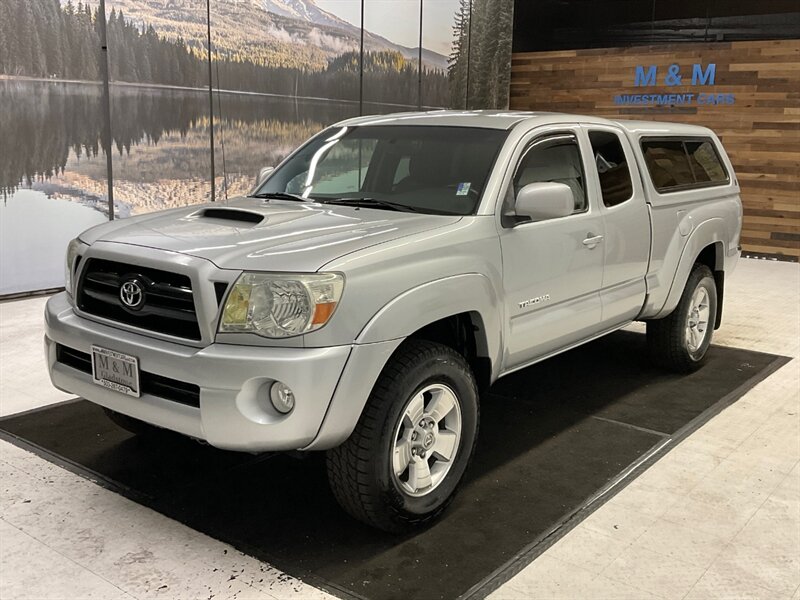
(131, 424)
(679, 341)
(402, 464)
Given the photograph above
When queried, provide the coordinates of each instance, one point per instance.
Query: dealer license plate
(116, 371)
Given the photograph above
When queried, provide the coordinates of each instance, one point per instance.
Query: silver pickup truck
(387, 271)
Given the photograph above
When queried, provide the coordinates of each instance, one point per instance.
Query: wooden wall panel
(760, 131)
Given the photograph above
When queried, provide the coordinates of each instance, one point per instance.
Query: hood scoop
(231, 214)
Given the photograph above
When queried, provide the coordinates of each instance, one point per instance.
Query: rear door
(552, 269)
(626, 246)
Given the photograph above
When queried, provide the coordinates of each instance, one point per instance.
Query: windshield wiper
(280, 196)
(370, 203)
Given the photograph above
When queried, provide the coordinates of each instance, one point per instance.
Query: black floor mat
(551, 437)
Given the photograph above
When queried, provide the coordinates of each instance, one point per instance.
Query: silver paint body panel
(402, 271)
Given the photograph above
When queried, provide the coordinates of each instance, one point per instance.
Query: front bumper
(234, 411)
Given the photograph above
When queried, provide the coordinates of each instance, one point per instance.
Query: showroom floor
(719, 516)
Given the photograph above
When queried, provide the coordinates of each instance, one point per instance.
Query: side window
(705, 162)
(553, 159)
(612, 167)
(668, 164)
(683, 164)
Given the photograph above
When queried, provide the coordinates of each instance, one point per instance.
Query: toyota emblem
(132, 294)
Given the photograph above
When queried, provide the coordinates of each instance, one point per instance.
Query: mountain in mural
(307, 10)
(281, 33)
(304, 10)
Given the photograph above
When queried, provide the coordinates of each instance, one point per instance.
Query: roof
(653, 128)
(489, 119)
(506, 119)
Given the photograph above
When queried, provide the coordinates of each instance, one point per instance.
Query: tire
(362, 471)
(679, 341)
(130, 424)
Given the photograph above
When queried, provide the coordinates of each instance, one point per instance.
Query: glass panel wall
(52, 170)
(391, 55)
(442, 26)
(459, 59)
(280, 75)
(489, 70)
(159, 110)
(281, 70)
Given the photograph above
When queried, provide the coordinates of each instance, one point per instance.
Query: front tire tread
(351, 465)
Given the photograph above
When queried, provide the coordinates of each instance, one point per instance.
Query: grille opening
(73, 358)
(151, 384)
(232, 214)
(169, 301)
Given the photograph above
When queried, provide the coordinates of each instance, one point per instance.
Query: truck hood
(249, 233)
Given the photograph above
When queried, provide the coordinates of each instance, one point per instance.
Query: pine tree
(51, 40)
(38, 65)
(458, 61)
(482, 68)
(23, 21)
(5, 35)
(142, 59)
(505, 30)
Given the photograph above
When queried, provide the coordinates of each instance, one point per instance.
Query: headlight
(281, 305)
(69, 264)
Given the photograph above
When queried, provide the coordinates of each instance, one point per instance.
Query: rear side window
(612, 167)
(680, 164)
(705, 162)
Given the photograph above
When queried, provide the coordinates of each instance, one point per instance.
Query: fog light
(282, 397)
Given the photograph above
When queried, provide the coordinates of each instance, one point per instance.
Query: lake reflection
(50, 134)
(53, 172)
(34, 233)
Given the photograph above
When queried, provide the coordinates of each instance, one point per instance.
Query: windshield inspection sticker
(463, 189)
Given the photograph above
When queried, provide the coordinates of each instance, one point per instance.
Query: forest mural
(281, 70)
(45, 39)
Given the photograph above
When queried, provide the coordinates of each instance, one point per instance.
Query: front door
(552, 269)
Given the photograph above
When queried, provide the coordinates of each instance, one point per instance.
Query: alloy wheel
(426, 440)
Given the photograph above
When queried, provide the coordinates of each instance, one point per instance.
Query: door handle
(592, 241)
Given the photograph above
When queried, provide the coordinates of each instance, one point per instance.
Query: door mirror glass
(262, 174)
(545, 200)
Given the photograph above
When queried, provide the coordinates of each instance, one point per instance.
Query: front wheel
(679, 341)
(403, 462)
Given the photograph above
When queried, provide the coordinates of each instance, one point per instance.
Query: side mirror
(262, 174)
(545, 200)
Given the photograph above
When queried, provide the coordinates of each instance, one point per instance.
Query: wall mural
(281, 70)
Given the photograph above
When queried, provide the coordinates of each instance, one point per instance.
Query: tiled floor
(718, 517)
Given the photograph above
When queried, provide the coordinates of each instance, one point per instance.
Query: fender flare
(413, 309)
(708, 233)
(429, 302)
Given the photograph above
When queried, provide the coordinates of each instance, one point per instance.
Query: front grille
(152, 384)
(168, 305)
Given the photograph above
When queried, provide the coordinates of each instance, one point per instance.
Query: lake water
(34, 233)
(53, 172)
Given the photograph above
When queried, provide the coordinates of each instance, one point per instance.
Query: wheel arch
(706, 246)
(462, 311)
(466, 334)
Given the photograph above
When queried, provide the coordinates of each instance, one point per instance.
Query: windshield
(436, 170)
